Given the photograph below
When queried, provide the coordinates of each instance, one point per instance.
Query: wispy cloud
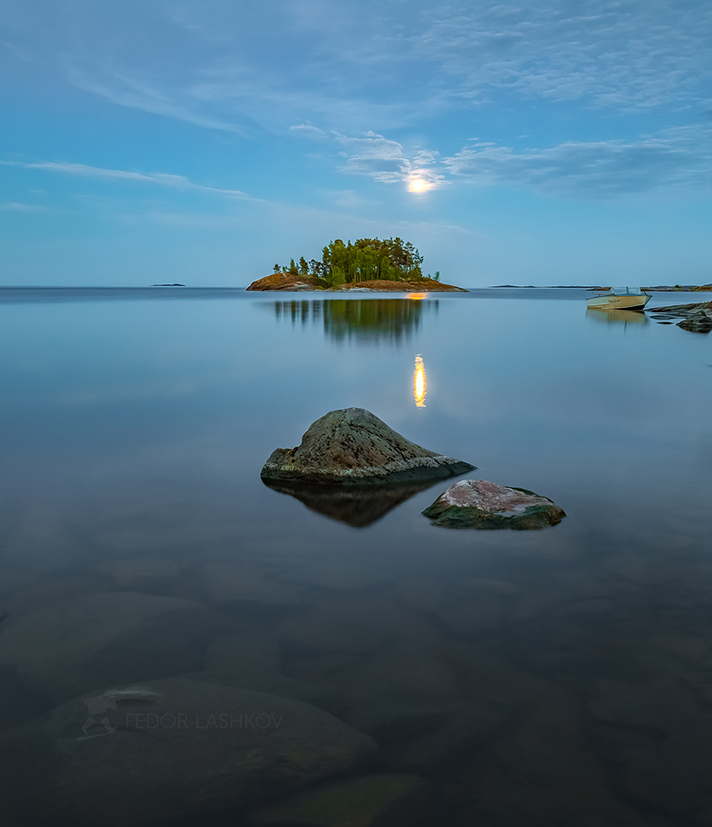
(378, 157)
(125, 88)
(219, 65)
(677, 160)
(305, 130)
(619, 54)
(161, 178)
(15, 206)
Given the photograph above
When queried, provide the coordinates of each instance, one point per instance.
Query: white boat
(619, 298)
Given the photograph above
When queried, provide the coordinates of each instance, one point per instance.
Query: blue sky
(203, 142)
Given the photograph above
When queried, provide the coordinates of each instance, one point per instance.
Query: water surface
(133, 426)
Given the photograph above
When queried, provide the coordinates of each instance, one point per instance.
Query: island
(366, 265)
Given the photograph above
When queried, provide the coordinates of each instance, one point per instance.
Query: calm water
(559, 677)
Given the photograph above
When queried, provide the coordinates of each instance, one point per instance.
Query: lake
(553, 677)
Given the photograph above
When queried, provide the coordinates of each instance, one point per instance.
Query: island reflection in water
(364, 321)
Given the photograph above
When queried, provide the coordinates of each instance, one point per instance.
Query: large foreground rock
(91, 641)
(484, 504)
(170, 749)
(352, 446)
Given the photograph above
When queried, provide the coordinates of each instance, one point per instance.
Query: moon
(418, 185)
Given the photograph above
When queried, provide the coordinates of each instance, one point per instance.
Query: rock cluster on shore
(697, 318)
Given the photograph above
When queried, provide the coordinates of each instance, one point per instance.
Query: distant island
(168, 285)
(367, 264)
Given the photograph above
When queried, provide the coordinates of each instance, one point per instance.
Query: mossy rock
(487, 505)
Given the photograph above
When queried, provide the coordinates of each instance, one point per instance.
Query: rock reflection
(357, 506)
(372, 321)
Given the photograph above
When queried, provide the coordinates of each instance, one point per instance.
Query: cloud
(378, 157)
(385, 160)
(161, 178)
(631, 55)
(677, 160)
(123, 89)
(305, 130)
(380, 63)
(14, 206)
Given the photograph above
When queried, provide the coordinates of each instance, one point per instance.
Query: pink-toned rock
(485, 504)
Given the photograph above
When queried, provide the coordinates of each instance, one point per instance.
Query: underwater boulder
(171, 749)
(386, 800)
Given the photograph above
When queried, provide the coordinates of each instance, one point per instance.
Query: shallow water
(132, 433)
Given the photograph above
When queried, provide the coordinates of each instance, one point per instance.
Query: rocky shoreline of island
(287, 282)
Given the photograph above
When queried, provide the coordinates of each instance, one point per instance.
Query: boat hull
(627, 302)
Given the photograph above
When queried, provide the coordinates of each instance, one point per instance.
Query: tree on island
(366, 259)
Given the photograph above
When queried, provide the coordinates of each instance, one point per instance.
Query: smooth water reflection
(357, 506)
(365, 321)
(536, 678)
(616, 316)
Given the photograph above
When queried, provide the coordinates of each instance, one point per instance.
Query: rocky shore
(290, 283)
(696, 318)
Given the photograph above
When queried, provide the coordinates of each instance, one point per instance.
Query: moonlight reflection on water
(419, 383)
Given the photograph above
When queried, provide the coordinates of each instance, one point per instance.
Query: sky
(203, 142)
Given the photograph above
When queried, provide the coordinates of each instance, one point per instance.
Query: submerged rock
(388, 800)
(466, 726)
(73, 646)
(171, 749)
(354, 447)
(484, 504)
